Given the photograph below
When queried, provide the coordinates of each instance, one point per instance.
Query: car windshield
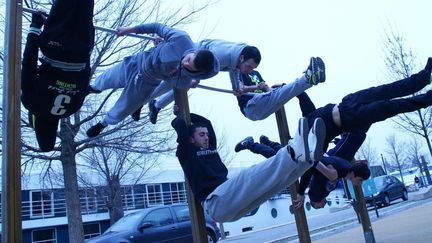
(380, 182)
(126, 223)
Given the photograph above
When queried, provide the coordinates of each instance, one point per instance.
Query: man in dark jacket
(228, 199)
(57, 88)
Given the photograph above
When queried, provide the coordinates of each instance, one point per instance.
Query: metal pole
(196, 211)
(11, 161)
(364, 216)
(299, 214)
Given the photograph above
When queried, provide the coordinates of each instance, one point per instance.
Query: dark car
(389, 188)
(169, 223)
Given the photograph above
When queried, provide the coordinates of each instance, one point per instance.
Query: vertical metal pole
(428, 176)
(364, 216)
(196, 211)
(11, 163)
(299, 214)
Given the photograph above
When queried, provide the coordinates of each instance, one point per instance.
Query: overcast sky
(348, 35)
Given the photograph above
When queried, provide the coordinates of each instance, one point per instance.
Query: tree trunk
(73, 205)
(115, 200)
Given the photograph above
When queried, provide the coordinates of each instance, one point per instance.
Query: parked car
(169, 223)
(389, 188)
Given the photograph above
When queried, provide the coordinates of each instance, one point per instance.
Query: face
(247, 66)
(319, 204)
(188, 62)
(200, 137)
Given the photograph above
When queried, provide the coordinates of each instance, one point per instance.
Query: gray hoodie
(228, 54)
(163, 62)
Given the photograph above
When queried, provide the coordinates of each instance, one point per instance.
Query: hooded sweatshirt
(228, 54)
(163, 62)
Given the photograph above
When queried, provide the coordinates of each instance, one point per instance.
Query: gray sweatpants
(264, 104)
(137, 89)
(253, 186)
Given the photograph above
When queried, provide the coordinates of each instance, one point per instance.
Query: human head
(319, 204)
(358, 173)
(199, 61)
(198, 135)
(249, 59)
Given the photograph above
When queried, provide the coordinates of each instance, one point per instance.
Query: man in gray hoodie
(234, 58)
(175, 60)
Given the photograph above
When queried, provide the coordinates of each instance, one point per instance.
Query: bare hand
(263, 87)
(299, 202)
(238, 92)
(176, 109)
(121, 31)
(194, 83)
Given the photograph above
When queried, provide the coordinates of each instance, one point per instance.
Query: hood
(201, 75)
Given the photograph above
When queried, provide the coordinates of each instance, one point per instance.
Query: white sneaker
(299, 143)
(316, 139)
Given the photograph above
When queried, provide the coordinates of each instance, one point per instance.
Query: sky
(347, 35)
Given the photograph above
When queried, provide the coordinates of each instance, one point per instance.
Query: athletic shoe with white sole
(315, 73)
(299, 143)
(316, 139)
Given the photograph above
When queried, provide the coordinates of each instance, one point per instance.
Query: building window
(154, 195)
(178, 192)
(128, 197)
(41, 204)
(44, 236)
(91, 230)
(88, 200)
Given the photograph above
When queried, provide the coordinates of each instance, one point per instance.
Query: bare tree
(108, 50)
(397, 152)
(400, 62)
(368, 152)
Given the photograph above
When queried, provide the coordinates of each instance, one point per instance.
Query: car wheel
(404, 195)
(211, 238)
(386, 200)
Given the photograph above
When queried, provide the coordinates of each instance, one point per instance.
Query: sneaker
(264, 140)
(137, 114)
(91, 90)
(315, 73)
(95, 130)
(300, 143)
(244, 144)
(316, 139)
(153, 111)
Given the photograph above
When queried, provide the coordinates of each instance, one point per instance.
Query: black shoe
(137, 114)
(244, 144)
(429, 64)
(95, 130)
(264, 140)
(153, 111)
(91, 90)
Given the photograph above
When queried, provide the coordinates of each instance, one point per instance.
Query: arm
(181, 128)
(328, 171)
(164, 31)
(212, 136)
(305, 180)
(235, 82)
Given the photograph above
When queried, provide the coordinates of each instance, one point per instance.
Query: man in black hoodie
(228, 199)
(57, 88)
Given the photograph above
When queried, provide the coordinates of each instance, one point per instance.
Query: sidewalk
(412, 225)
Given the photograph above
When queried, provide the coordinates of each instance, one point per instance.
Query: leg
(366, 115)
(274, 145)
(348, 145)
(393, 90)
(46, 132)
(262, 149)
(306, 104)
(117, 76)
(263, 105)
(68, 34)
(253, 186)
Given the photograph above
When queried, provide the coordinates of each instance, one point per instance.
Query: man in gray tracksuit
(175, 60)
(235, 58)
